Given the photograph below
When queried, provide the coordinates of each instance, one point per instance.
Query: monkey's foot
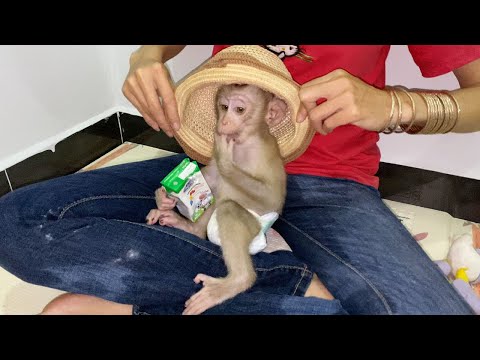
(214, 292)
(172, 219)
(164, 217)
(168, 218)
(153, 216)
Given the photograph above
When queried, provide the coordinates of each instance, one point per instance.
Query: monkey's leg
(173, 219)
(237, 228)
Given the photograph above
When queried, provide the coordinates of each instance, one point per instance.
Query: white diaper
(258, 243)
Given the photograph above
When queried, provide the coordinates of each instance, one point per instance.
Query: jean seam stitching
(346, 207)
(100, 197)
(355, 270)
(141, 313)
(330, 179)
(177, 236)
(288, 267)
(299, 280)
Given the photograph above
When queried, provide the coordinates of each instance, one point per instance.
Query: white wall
(48, 93)
(454, 154)
(120, 64)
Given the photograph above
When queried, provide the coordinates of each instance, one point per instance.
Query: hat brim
(199, 147)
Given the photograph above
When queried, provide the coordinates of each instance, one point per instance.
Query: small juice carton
(186, 183)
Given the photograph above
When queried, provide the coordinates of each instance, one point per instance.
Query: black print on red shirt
(284, 51)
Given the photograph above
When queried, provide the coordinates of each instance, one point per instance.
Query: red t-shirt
(350, 152)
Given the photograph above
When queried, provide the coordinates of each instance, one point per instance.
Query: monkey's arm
(252, 185)
(210, 173)
(255, 186)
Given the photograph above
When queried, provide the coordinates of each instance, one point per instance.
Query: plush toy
(462, 267)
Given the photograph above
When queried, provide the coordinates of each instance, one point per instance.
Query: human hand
(349, 100)
(148, 87)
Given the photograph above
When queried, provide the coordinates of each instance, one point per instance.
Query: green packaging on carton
(187, 184)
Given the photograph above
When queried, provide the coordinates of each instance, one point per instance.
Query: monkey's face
(236, 111)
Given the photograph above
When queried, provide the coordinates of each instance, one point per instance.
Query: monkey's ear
(277, 109)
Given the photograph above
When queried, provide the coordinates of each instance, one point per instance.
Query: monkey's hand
(215, 291)
(153, 216)
(225, 153)
(163, 201)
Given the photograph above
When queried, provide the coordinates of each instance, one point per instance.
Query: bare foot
(77, 304)
(167, 218)
(172, 219)
(317, 289)
(214, 292)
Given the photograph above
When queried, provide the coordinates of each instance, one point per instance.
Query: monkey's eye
(224, 107)
(240, 110)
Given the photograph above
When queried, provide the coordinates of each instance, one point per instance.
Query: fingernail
(176, 126)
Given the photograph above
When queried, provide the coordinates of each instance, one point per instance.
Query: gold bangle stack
(442, 113)
(390, 128)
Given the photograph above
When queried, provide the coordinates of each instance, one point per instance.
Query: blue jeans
(86, 233)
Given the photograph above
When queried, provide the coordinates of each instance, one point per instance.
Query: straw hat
(245, 64)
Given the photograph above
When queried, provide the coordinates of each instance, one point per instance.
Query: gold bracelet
(433, 113)
(416, 129)
(436, 112)
(397, 129)
(457, 114)
(441, 111)
(449, 113)
(406, 128)
(428, 122)
(387, 129)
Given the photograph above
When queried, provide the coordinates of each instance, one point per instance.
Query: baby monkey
(245, 173)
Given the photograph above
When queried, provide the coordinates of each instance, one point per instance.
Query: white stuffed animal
(464, 258)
